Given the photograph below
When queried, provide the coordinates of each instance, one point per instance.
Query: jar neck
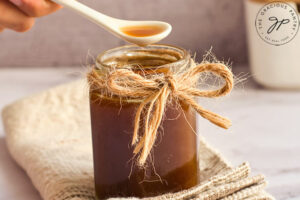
(152, 58)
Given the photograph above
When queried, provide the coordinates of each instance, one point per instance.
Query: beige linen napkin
(48, 134)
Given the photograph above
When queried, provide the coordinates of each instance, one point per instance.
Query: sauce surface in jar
(173, 164)
(142, 31)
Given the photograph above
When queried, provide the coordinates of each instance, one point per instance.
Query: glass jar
(274, 54)
(173, 164)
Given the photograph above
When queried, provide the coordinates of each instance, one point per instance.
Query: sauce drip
(142, 31)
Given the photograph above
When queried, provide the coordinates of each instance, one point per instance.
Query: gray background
(65, 39)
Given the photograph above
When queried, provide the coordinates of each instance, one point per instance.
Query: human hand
(19, 15)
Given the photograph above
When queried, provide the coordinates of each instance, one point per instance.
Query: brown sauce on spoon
(142, 31)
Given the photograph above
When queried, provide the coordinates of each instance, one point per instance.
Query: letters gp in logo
(277, 23)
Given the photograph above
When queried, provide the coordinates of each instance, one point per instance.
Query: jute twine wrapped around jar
(155, 91)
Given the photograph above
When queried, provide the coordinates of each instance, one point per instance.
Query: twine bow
(156, 91)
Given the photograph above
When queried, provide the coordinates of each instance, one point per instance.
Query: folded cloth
(49, 136)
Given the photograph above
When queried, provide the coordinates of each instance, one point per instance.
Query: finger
(36, 8)
(11, 17)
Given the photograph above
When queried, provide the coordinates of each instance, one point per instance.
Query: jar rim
(185, 56)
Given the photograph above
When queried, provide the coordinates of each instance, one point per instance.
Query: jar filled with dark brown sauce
(173, 164)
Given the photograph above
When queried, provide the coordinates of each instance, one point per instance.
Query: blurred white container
(274, 48)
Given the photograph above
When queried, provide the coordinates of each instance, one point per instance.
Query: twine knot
(155, 91)
(171, 81)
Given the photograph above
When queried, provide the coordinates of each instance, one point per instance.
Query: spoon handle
(88, 13)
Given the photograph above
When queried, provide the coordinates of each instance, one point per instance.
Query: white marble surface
(265, 131)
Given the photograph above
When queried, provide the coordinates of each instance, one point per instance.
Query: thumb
(36, 8)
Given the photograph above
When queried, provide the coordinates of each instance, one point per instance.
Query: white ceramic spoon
(114, 25)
